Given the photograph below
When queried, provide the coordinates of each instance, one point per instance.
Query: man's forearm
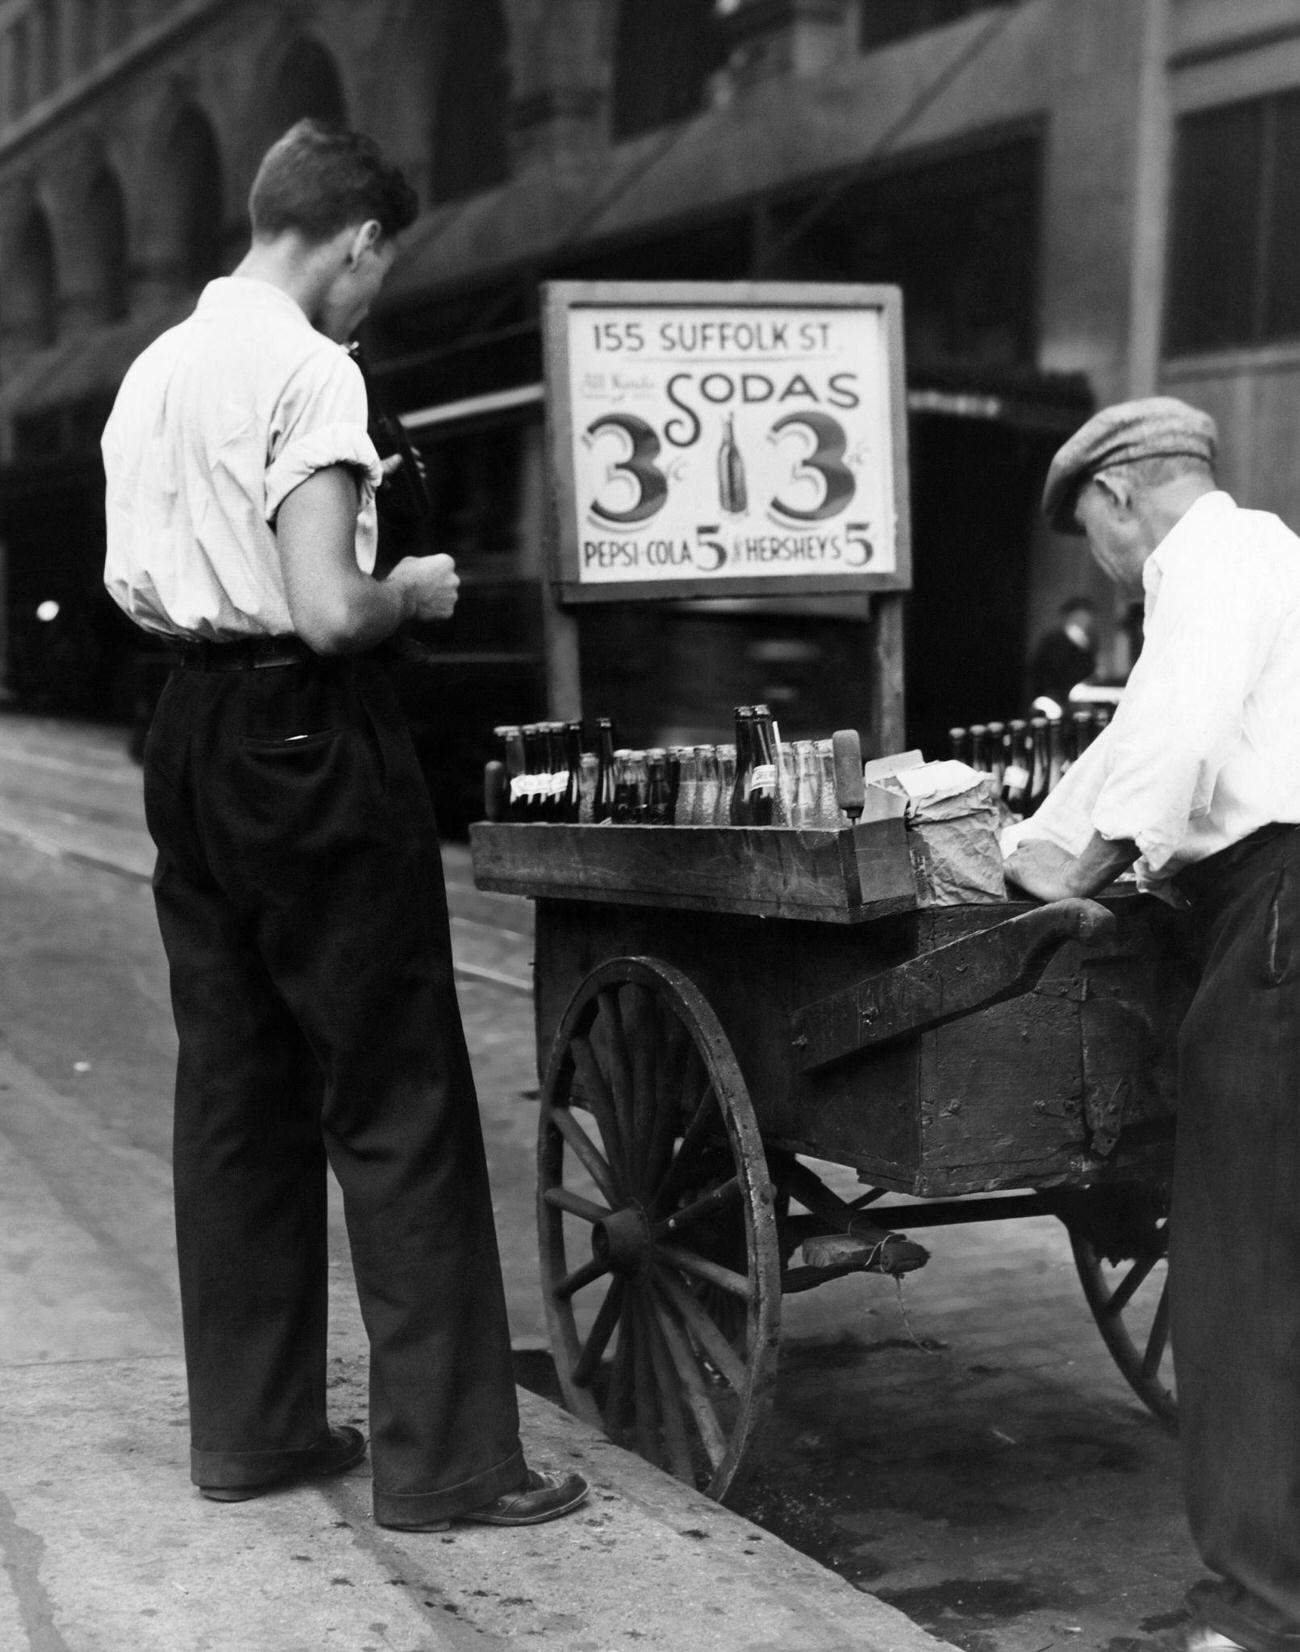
(1049, 873)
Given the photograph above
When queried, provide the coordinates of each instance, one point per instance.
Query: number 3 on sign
(638, 465)
(825, 463)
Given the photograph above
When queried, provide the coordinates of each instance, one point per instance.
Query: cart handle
(945, 983)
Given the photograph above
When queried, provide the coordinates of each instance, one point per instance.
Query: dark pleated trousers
(1235, 1247)
(300, 896)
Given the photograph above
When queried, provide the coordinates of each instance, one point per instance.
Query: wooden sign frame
(842, 545)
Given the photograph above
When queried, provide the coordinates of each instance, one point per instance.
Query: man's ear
(1116, 489)
(366, 237)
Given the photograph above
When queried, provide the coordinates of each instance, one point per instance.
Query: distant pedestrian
(1065, 656)
(299, 886)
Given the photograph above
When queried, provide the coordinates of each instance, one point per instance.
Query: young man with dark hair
(299, 887)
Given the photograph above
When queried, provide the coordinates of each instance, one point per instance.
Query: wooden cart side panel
(751, 973)
(840, 877)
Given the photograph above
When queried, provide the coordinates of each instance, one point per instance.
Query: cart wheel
(657, 1240)
(1120, 1239)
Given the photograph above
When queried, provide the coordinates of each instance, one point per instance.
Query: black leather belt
(247, 654)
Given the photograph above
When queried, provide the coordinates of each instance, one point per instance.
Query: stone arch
(30, 318)
(306, 84)
(104, 218)
(50, 34)
(663, 57)
(182, 209)
(471, 106)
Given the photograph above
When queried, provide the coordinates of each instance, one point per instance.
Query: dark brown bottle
(1038, 772)
(958, 745)
(1083, 731)
(765, 778)
(658, 795)
(602, 804)
(572, 802)
(979, 747)
(1018, 774)
(535, 772)
(1058, 760)
(997, 755)
(511, 737)
(740, 813)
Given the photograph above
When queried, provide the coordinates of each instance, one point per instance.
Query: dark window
(472, 101)
(883, 21)
(195, 198)
(663, 56)
(306, 85)
(1234, 275)
(105, 225)
(20, 69)
(51, 48)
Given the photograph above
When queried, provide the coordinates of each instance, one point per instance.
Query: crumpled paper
(953, 825)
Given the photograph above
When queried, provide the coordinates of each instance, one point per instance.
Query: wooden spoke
(646, 1398)
(658, 1154)
(713, 1344)
(696, 1392)
(1159, 1337)
(716, 1199)
(675, 1435)
(573, 1282)
(599, 1097)
(714, 1272)
(1124, 1293)
(621, 1379)
(560, 1198)
(620, 1059)
(685, 1164)
(581, 1143)
(588, 1361)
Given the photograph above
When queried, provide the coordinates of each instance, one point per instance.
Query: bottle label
(556, 784)
(520, 786)
(1014, 777)
(763, 779)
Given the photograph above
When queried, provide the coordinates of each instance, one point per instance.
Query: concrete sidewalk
(105, 1546)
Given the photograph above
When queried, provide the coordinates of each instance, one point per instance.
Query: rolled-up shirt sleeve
(321, 421)
(1184, 706)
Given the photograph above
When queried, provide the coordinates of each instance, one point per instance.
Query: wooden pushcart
(721, 1013)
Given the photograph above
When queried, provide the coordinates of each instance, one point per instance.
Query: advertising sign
(726, 440)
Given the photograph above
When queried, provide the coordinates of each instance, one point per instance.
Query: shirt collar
(245, 292)
(1197, 519)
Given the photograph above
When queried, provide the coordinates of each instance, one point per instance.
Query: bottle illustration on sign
(733, 495)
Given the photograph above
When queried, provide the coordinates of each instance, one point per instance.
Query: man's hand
(1043, 869)
(431, 583)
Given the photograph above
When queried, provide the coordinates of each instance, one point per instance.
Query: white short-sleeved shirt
(1204, 748)
(214, 425)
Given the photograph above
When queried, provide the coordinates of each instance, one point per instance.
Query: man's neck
(301, 271)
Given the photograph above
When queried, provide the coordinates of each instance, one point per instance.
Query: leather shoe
(346, 1446)
(541, 1497)
(1210, 1640)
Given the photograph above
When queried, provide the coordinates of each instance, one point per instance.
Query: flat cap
(1157, 427)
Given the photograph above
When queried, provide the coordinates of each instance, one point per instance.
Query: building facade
(1082, 200)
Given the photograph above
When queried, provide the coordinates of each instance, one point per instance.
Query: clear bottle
(789, 784)
(810, 782)
(588, 779)
(708, 786)
(726, 785)
(688, 786)
(829, 812)
(637, 773)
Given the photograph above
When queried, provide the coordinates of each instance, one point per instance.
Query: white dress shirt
(215, 423)
(1204, 747)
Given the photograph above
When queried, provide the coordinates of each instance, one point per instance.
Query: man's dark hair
(318, 179)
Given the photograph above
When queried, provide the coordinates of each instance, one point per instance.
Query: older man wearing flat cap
(1197, 781)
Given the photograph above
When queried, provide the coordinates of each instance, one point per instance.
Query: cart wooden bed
(717, 1007)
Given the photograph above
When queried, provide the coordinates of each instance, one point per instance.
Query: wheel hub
(621, 1241)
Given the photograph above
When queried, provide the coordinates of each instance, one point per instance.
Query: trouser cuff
(422, 1508)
